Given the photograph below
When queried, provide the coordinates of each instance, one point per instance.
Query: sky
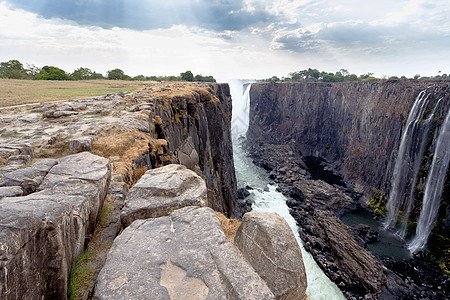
(229, 39)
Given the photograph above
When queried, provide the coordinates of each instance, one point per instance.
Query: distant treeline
(314, 75)
(14, 69)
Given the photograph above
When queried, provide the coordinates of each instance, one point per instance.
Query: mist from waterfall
(433, 188)
(264, 195)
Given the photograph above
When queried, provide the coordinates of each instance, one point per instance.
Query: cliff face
(357, 129)
(356, 126)
(197, 128)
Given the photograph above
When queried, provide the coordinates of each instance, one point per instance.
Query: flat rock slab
(81, 174)
(184, 255)
(160, 191)
(267, 242)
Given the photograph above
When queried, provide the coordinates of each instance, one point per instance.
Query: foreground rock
(267, 242)
(82, 174)
(161, 191)
(155, 259)
(42, 233)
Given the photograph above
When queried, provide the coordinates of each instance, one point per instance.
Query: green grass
(81, 275)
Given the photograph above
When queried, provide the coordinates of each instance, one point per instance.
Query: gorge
(354, 130)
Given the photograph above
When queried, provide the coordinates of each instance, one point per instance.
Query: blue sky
(229, 39)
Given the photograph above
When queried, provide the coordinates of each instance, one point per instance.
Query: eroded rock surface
(184, 255)
(42, 233)
(355, 270)
(160, 191)
(28, 178)
(267, 242)
(82, 174)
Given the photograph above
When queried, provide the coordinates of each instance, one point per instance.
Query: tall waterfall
(405, 160)
(406, 170)
(265, 197)
(433, 187)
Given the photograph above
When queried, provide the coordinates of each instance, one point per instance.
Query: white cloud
(380, 36)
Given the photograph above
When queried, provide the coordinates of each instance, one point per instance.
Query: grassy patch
(82, 275)
(15, 92)
(230, 226)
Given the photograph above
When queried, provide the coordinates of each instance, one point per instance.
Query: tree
(187, 76)
(273, 79)
(96, 75)
(82, 74)
(139, 78)
(115, 74)
(32, 70)
(52, 73)
(12, 69)
(201, 78)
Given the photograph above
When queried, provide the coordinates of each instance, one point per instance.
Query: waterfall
(265, 197)
(421, 138)
(433, 188)
(405, 160)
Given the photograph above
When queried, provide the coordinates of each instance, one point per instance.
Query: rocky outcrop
(42, 233)
(197, 129)
(356, 271)
(184, 255)
(161, 191)
(163, 123)
(267, 242)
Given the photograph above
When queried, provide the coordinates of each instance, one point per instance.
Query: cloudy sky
(229, 39)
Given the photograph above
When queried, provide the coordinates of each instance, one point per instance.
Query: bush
(52, 73)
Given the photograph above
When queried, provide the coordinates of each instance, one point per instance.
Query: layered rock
(267, 242)
(161, 191)
(354, 125)
(355, 270)
(42, 233)
(184, 255)
(197, 129)
(349, 129)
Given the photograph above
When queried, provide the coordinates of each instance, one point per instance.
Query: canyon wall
(197, 128)
(355, 126)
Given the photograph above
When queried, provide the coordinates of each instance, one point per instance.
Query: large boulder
(83, 174)
(267, 242)
(160, 191)
(43, 232)
(184, 255)
(40, 234)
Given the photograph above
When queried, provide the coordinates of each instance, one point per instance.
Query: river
(265, 197)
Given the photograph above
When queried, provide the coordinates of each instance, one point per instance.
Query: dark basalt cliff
(197, 128)
(356, 126)
(347, 134)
